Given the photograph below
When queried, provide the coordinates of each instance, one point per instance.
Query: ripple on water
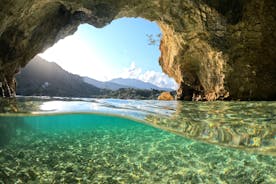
(94, 148)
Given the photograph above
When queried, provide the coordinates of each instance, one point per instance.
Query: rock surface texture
(165, 96)
(214, 49)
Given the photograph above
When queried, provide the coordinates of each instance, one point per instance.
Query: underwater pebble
(155, 157)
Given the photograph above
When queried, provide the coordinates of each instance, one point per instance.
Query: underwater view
(82, 140)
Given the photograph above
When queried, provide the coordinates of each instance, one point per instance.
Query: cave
(214, 49)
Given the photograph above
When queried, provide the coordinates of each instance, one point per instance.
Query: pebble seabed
(132, 153)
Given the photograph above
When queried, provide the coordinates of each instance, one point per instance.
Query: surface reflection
(249, 126)
(245, 125)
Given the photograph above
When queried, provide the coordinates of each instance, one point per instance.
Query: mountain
(104, 85)
(137, 84)
(120, 83)
(41, 77)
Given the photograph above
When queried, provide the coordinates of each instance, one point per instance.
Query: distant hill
(120, 83)
(137, 84)
(131, 93)
(41, 77)
(104, 85)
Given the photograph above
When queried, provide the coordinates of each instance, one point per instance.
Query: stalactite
(5, 89)
(8, 88)
(2, 89)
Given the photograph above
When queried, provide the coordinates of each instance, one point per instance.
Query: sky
(118, 50)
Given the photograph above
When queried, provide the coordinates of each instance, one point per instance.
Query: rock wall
(214, 49)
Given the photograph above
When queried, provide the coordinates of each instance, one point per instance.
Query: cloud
(132, 72)
(65, 53)
(158, 78)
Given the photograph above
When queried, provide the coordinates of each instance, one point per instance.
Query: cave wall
(214, 49)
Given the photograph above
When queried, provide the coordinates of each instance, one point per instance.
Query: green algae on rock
(213, 49)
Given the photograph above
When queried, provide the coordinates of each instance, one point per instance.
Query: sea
(83, 140)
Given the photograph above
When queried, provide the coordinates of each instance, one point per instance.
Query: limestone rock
(165, 96)
(213, 49)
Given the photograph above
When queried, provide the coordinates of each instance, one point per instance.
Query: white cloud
(132, 72)
(158, 78)
(76, 56)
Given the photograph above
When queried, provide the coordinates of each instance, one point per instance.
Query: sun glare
(74, 55)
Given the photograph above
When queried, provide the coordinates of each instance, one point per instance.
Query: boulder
(165, 96)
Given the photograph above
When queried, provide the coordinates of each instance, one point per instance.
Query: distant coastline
(43, 78)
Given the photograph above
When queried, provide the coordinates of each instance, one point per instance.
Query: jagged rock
(165, 96)
(213, 49)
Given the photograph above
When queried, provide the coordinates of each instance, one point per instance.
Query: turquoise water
(115, 141)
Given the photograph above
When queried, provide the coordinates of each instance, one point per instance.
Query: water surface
(116, 141)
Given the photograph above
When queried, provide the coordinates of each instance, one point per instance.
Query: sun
(77, 56)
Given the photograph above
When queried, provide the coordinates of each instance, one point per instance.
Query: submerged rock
(213, 49)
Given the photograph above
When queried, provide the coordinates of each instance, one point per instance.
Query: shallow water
(115, 141)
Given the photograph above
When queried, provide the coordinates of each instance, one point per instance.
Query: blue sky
(120, 49)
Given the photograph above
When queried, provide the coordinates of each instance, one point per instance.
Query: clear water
(45, 140)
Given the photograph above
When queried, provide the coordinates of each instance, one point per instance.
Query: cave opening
(209, 47)
(125, 53)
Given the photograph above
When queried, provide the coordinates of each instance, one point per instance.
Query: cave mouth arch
(118, 53)
(52, 21)
(126, 48)
(205, 46)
